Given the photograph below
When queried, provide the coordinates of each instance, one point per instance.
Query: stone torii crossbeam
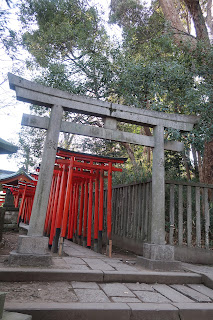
(111, 113)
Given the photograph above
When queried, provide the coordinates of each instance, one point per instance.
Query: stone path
(87, 285)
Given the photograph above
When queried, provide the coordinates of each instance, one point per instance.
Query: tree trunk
(195, 162)
(198, 18)
(130, 154)
(208, 163)
(186, 166)
(171, 14)
(209, 17)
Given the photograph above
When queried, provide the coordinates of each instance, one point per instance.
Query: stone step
(121, 311)
(2, 299)
(15, 316)
(36, 274)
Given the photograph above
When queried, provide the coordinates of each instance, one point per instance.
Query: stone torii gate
(27, 91)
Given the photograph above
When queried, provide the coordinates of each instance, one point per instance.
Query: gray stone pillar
(156, 254)
(158, 189)
(32, 249)
(39, 209)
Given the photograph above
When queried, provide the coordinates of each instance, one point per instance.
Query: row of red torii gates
(76, 177)
(111, 113)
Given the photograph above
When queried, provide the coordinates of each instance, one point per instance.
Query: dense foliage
(147, 68)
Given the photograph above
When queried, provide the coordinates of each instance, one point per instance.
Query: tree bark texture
(171, 14)
(198, 18)
(208, 163)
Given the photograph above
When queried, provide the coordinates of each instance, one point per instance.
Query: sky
(11, 110)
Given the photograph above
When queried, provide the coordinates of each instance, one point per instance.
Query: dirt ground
(10, 240)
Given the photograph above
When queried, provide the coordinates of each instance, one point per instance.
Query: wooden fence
(190, 218)
(189, 212)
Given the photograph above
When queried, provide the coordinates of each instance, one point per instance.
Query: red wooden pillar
(67, 198)
(81, 211)
(71, 213)
(89, 231)
(96, 213)
(76, 210)
(109, 209)
(53, 223)
(49, 204)
(101, 211)
(85, 215)
(60, 208)
(51, 207)
(22, 204)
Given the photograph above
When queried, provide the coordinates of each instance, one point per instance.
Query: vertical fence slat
(172, 214)
(207, 219)
(146, 210)
(143, 212)
(198, 222)
(139, 210)
(189, 215)
(180, 215)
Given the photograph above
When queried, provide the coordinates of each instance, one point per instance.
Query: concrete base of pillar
(30, 260)
(159, 265)
(158, 257)
(31, 251)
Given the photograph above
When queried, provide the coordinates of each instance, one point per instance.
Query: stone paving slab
(73, 260)
(202, 289)
(193, 294)
(116, 290)
(139, 286)
(151, 297)
(91, 295)
(84, 285)
(98, 264)
(171, 294)
(125, 299)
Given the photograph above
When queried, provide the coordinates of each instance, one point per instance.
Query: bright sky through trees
(10, 109)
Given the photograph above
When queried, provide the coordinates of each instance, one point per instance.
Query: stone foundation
(31, 251)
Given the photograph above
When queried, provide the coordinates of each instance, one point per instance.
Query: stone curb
(26, 274)
(152, 277)
(121, 311)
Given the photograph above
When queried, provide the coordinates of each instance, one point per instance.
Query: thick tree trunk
(198, 18)
(186, 166)
(181, 36)
(194, 153)
(208, 163)
(209, 17)
(130, 154)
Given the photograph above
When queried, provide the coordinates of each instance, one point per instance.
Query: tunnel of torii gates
(70, 207)
(111, 113)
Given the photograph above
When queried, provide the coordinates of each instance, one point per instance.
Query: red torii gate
(70, 205)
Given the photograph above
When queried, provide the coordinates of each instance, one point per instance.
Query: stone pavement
(86, 285)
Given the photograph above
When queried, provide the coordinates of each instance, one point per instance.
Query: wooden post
(96, 214)
(39, 209)
(89, 229)
(109, 205)
(101, 210)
